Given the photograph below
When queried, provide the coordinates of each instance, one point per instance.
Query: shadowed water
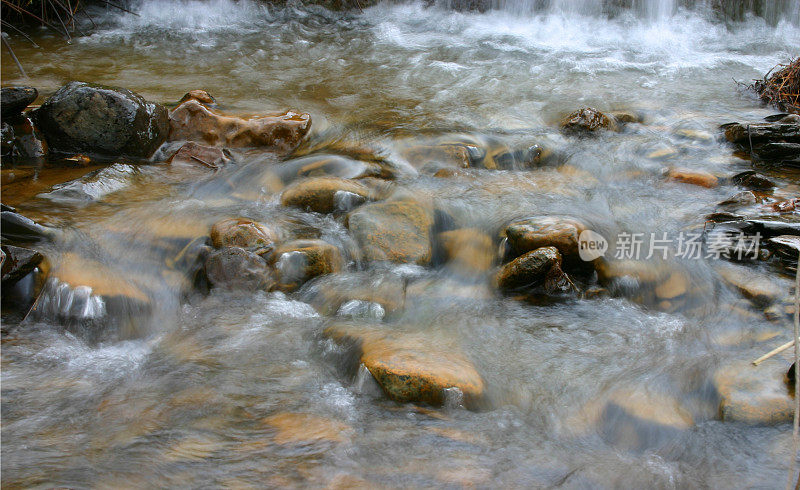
(181, 389)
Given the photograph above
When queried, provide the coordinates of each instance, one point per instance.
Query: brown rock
(305, 428)
(194, 122)
(760, 289)
(754, 394)
(243, 233)
(200, 96)
(325, 194)
(694, 177)
(300, 260)
(412, 367)
(561, 232)
(194, 154)
(587, 120)
(468, 250)
(236, 268)
(17, 263)
(396, 231)
(530, 269)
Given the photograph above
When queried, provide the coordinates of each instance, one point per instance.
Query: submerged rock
(760, 289)
(243, 233)
(754, 394)
(236, 268)
(193, 121)
(14, 100)
(396, 231)
(530, 269)
(694, 177)
(200, 96)
(305, 428)
(587, 121)
(107, 121)
(411, 367)
(467, 250)
(194, 154)
(300, 260)
(325, 194)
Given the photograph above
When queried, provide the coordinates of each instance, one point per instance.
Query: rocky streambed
(195, 291)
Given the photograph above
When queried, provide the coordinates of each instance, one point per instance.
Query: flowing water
(174, 387)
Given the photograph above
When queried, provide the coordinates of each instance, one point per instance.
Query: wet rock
(193, 121)
(237, 269)
(304, 428)
(740, 199)
(557, 281)
(300, 260)
(6, 139)
(27, 142)
(772, 141)
(675, 286)
(561, 232)
(786, 246)
(200, 96)
(108, 121)
(627, 117)
(17, 263)
(329, 294)
(587, 121)
(16, 227)
(94, 186)
(396, 231)
(14, 100)
(467, 250)
(693, 134)
(760, 289)
(321, 165)
(662, 153)
(752, 180)
(754, 394)
(325, 194)
(529, 269)
(193, 154)
(694, 177)
(243, 233)
(412, 367)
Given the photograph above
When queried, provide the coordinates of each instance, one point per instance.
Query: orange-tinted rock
(468, 250)
(200, 96)
(412, 367)
(325, 194)
(195, 154)
(754, 394)
(694, 177)
(530, 269)
(396, 231)
(300, 260)
(194, 122)
(305, 428)
(236, 268)
(243, 233)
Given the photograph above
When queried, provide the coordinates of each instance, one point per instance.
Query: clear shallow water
(178, 396)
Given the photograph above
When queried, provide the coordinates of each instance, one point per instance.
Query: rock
(236, 268)
(300, 260)
(557, 281)
(17, 263)
(27, 142)
(662, 154)
(676, 285)
(325, 194)
(16, 227)
(627, 117)
(330, 293)
(760, 289)
(561, 232)
(587, 120)
(243, 233)
(467, 250)
(6, 139)
(752, 180)
(779, 151)
(744, 198)
(193, 121)
(200, 96)
(744, 134)
(107, 121)
(641, 419)
(787, 246)
(529, 269)
(396, 231)
(411, 367)
(694, 177)
(754, 394)
(304, 428)
(14, 100)
(193, 154)
(693, 134)
(321, 165)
